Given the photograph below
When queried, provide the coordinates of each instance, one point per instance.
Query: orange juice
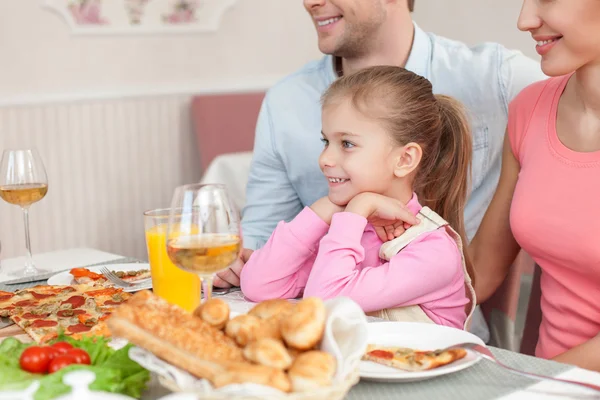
(168, 281)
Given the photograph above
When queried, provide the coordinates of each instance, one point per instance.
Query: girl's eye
(347, 145)
(324, 141)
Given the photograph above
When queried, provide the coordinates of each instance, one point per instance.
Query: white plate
(416, 336)
(65, 278)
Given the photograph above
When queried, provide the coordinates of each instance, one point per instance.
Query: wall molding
(251, 85)
(127, 17)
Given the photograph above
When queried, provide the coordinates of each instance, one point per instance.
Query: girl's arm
(280, 268)
(418, 274)
(494, 248)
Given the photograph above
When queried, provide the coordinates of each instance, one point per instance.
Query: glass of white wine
(23, 181)
(203, 235)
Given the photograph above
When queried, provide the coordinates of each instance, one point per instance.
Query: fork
(111, 276)
(484, 352)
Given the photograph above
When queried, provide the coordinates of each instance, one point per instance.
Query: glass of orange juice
(168, 281)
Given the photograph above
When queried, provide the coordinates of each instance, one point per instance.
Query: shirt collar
(413, 204)
(418, 61)
(420, 55)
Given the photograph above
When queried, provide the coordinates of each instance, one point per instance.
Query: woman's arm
(586, 355)
(494, 247)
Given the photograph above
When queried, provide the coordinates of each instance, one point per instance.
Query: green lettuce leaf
(115, 371)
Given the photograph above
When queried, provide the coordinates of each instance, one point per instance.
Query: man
(355, 34)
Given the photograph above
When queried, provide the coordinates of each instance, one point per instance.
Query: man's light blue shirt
(285, 174)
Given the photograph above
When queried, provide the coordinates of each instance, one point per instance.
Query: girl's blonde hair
(405, 103)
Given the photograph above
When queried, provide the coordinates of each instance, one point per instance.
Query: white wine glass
(203, 235)
(23, 181)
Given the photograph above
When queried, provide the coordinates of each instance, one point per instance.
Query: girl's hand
(325, 209)
(389, 216)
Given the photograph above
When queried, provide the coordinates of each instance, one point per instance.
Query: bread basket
(344, 337)
(335, 392)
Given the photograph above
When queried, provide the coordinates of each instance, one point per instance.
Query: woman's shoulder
(531, 95)
(536, 99)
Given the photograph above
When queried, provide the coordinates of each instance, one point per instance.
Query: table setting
(147, 333)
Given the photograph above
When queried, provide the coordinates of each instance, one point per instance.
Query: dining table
(483, 380)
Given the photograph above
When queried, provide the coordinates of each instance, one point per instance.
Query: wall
(475, 21)
(110, 115)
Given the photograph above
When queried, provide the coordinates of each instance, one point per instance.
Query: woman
(547, 199)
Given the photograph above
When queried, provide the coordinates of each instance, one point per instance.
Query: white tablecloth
(469, 384)
(55, 261)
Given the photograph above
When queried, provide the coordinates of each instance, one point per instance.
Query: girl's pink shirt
(308, 257)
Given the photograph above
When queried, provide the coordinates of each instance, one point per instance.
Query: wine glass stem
(29, 267)
(207, 284)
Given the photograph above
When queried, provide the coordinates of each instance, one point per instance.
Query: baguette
(174, 335)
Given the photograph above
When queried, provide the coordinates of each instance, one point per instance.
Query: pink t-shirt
(307, 256)
(555, 217)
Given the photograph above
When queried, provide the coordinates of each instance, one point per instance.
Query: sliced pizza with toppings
(411, 360)
(78, 310)
(85, 276)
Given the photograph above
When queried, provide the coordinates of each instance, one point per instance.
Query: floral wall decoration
(140, 16)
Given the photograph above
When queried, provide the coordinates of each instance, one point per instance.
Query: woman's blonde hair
(405, 103)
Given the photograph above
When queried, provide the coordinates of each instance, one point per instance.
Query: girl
(386, 136)
(547, 199)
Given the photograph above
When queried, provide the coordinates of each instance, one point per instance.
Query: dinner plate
(65, 278)
(418, 336)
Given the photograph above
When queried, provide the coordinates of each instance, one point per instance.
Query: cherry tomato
(80, 356)
(60, 362)
(62, 347)
(52, 352)
(35, 359)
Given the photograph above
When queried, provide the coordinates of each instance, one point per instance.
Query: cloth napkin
(345, 338)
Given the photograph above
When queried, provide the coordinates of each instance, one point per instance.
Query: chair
(534, 316)
(503, 311)
(224, 123)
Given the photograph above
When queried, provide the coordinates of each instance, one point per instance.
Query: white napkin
(345, 338)
(345, 335)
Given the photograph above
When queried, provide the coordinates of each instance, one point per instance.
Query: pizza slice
(411, 360)
(25, 300)
(133, 275)
(84, 275)
(77, 310)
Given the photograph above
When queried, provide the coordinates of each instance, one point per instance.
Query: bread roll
(243, 329)
(312, 370)
(246, 329)
(271, 328)
(250, 373)
(271, 308)
(214, 312)
(268, 352)
(303, 327)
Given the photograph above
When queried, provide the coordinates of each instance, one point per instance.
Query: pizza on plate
(411, 360)
(85, 276)
(78, 310)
